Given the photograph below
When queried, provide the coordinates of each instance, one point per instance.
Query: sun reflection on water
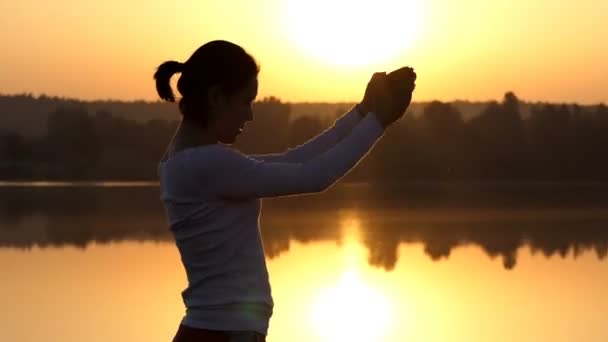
(352, 309)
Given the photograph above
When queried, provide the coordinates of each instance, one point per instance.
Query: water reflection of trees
(440, 218)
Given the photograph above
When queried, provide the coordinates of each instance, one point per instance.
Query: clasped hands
(389, 95)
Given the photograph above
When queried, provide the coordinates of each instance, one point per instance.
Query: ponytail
(163, 76)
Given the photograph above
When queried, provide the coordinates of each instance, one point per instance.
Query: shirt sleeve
(318, 144)
(245, 177)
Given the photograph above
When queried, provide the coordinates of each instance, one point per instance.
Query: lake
(395, 262)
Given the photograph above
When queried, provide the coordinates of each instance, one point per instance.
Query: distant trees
(71, 137)
(556, 142)
(552, 142)
(443, 131)
(499, 140)
(15, 147)
(131, 149)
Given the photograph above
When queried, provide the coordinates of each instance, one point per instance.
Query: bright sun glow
(352, 32)
(352, 309)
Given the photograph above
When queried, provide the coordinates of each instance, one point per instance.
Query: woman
(211, 192)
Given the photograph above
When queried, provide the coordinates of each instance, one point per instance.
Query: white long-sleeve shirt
(211, 195)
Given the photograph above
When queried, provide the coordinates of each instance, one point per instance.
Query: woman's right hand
(382, 100)
(389, 96)
(402, 83)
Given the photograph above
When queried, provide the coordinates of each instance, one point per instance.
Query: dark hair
(215, 63)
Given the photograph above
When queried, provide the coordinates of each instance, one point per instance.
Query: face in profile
(231, 112)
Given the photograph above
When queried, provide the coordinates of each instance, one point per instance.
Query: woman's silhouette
(212, 192)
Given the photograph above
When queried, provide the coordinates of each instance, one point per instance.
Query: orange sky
(315, 50)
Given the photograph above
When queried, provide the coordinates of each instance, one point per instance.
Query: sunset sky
(315, 50)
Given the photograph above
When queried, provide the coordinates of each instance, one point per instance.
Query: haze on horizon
(313, 51)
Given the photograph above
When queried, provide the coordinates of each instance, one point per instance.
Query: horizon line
(521, 100)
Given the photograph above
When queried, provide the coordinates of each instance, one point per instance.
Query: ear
(215, 96)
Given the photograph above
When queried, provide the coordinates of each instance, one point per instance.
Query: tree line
(551, 142)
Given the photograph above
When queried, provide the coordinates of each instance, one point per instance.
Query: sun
(352, 32)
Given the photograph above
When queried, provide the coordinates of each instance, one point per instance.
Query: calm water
(417, 262)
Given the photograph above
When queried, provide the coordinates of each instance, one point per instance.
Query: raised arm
(242, 177)
(318, 144)
(246, 178)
